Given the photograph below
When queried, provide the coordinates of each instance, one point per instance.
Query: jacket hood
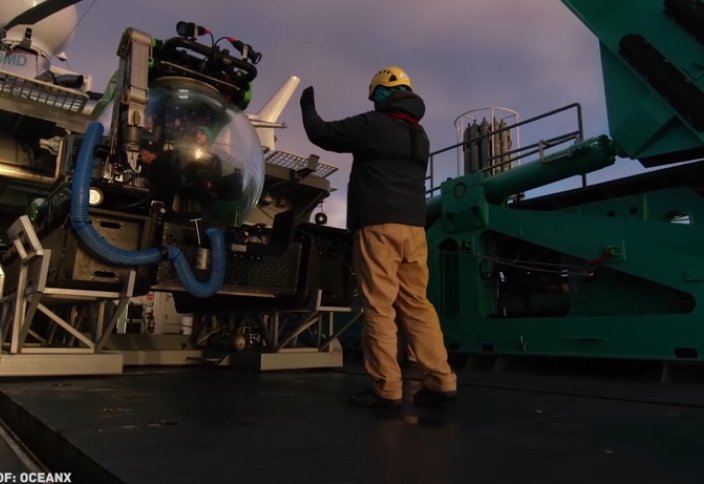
(404, 101)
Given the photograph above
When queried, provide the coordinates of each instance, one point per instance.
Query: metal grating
(42, 92)
(296, 162)
(268, 273)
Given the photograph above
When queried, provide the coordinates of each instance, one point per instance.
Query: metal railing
(42, 92)
(539, 147)
(296, 162)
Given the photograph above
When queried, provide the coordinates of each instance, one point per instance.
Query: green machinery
(613, 270)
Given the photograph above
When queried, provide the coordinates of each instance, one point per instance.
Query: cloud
(529, 56)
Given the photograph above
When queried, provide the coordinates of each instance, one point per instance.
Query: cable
(524, 264)
(75, 27)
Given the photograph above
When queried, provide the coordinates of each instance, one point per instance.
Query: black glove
(308, 97)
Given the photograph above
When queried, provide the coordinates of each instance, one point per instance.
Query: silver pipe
(16, 173)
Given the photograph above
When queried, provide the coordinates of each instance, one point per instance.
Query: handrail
(576, 135)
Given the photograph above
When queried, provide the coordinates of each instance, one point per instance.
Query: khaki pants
(392, 273)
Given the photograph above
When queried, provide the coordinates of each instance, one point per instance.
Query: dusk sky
(531, 56)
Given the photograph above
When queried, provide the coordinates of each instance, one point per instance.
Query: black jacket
(390, 156)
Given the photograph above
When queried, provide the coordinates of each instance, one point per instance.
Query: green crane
(614, 270)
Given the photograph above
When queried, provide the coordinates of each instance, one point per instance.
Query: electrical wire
(75, 27)
(564, 269)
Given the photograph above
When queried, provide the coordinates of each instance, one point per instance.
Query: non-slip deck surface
(9, 462)
(212, 425)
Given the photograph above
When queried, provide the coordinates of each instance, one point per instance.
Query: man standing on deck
(386, 212)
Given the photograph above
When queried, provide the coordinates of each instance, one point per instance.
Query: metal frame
(296, 163)
(516, 155)
(32, 295)
(283, 345)
(301, 337)
(30, 97)
(155, 349)
(465, 119)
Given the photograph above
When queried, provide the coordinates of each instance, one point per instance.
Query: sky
(531, 56)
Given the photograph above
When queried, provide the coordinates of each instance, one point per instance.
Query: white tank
(50, 36)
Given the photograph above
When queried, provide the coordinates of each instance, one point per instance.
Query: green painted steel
(615, 270)
(618, 272)
(463, 201)
(653, 71)
(578, 159)
(609, 279)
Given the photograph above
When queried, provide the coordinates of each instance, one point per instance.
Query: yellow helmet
(390, 76)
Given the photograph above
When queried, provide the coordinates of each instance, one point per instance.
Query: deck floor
(215, 425)
(9, 462)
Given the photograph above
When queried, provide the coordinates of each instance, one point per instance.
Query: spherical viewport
(200, 155)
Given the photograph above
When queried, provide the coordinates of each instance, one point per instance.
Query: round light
(95, 196)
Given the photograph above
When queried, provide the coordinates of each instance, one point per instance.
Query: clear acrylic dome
(200, 155)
